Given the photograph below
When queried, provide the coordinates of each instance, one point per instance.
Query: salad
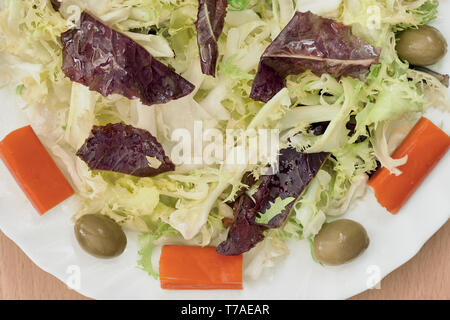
(230, 126)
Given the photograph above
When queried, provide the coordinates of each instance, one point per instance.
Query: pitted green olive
(100, 236)
(423, 46)
(340, 241)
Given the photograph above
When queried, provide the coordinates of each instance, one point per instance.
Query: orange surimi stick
(185, 267)
(34, 169)
(425, 145)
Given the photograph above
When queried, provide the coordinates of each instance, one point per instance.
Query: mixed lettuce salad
(220, 63)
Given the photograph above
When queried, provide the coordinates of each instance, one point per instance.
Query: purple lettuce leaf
(109, 62)
(310, 42)
(295, 172)
(209, 25)
(56, 4)
(124, 149)
(244, 234)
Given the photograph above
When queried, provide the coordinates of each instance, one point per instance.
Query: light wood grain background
(426, 276)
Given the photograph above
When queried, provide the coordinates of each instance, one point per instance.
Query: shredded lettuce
(129, 201)
(307, 212)
(336, 134)
(380, 148)
(19, 89)
(392, 98)
(422, 15)
(350, 162)
(238, 5)
(81, 115)
(373, 18)
(265, 254)
(230, 70)
(148, 245)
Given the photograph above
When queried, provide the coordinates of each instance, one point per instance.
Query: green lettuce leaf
(275, 209)
(147, 243)
(423, 14)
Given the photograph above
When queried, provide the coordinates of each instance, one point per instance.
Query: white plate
(49, 240)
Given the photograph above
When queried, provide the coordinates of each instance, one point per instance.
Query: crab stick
(34, 169)
(186, 267)
(425, 145)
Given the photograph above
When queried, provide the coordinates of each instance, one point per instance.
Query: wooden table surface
(426, 276)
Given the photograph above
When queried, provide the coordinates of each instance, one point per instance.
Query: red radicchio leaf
(296, 170)
(109, 62)
(123, 148)
(310, 42)
(209, 25)
(243, 234)
(56, 4)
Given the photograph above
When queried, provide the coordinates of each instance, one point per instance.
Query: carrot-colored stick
(34, 169)
(425, 145)
(186, 267)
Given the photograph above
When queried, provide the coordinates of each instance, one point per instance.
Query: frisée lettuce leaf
(276, 207)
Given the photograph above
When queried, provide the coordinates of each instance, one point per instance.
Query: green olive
(340, 241)
(423, 46)
(100, 236)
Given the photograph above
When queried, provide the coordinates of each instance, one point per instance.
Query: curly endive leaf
(238, 5)
(275, 209)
